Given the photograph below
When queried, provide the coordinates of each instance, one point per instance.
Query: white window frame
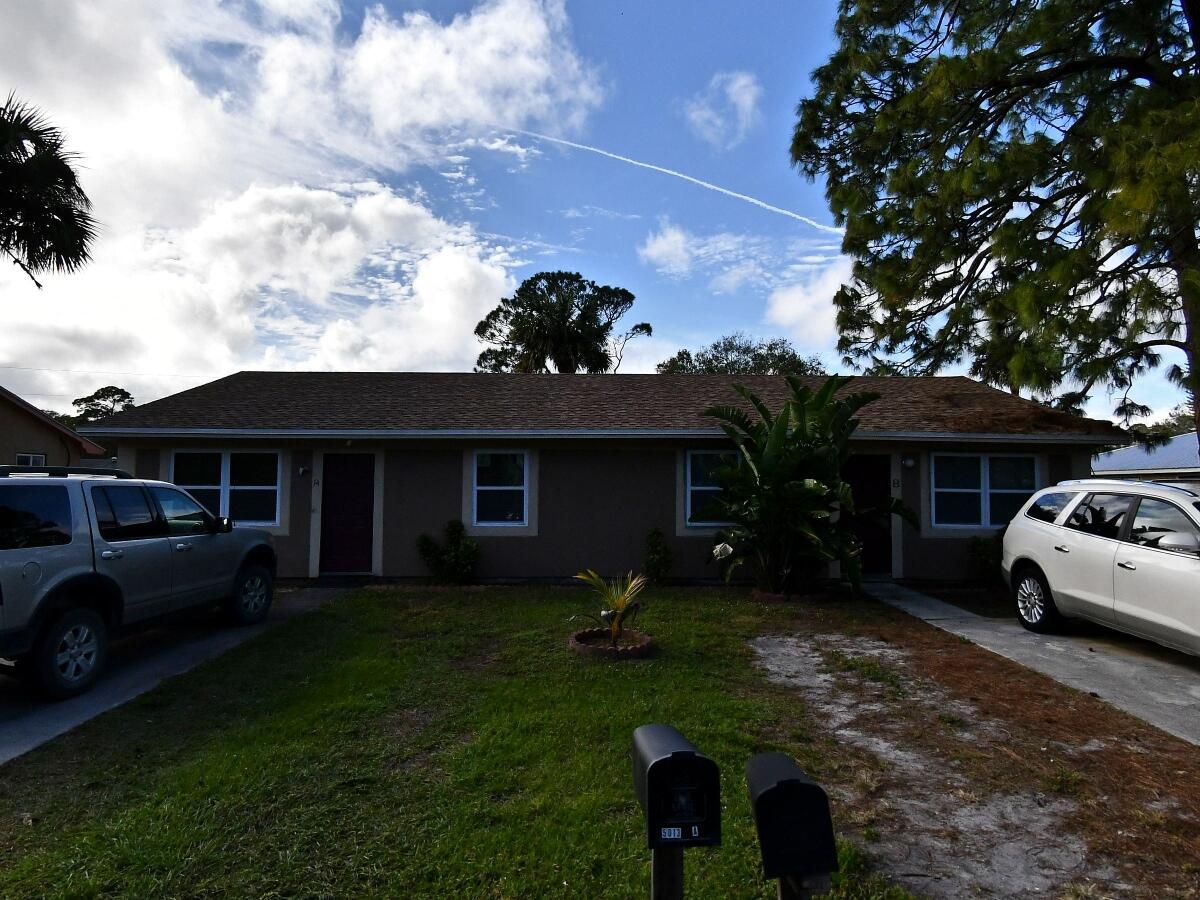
(985, 489)
(688, 488)
(225, 488)
(476, 487)
(31, 459)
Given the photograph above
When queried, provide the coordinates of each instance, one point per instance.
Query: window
(31, 459)
(1156, 519)
(501, 488)
(243, 485)
(1047, 507)
(703, 488)
(124, 514)
(980, 490)
(34, 516)
(183, 514)
(1099, 514)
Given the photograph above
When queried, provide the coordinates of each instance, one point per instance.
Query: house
(29, 437)
(1177, 460)
(554, 473)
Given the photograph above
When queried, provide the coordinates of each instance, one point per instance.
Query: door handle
(111, 554)
(1127, 565)
(1062, 549)
(181, 547)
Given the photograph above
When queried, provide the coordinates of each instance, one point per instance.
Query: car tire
(253, 591)
(69, 654)
(1034, 601)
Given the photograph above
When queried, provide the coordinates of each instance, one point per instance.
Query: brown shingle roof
(416, 401)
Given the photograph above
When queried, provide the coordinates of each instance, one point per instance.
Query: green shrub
(452, 562)
(657, 565)
(786, 485)
(985, 556)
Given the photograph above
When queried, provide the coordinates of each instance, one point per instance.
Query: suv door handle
(181, 547)
(1127, 565)
(111, 554)
(1062, 548)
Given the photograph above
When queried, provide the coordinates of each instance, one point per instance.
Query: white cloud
(397, 91)
(805, 308)
(724, 112)
(729, 260)
(670, 250)
(234, 154)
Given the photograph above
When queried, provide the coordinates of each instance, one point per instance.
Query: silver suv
(83, 553)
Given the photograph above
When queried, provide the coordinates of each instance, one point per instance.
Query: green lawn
(409, 743)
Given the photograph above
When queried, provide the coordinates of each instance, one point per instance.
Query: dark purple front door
(347, 512)
(870, 477)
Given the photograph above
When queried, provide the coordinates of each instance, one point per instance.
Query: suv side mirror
(1179, 542)
(224, 525)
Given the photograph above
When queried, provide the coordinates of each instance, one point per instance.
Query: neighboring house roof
(1180, 454)
(86, 447)
(400, 404)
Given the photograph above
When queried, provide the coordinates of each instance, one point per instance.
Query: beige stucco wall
(21, 432)
(596, 501)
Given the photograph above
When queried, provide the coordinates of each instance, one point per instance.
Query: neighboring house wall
(594, 501)
(20, 432)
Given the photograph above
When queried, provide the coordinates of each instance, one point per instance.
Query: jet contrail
(703, 184)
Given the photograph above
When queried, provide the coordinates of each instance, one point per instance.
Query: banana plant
(785, 494)
(619, 603)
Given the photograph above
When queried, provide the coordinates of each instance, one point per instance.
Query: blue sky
(302, 184)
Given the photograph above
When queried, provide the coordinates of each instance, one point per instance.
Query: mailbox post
(679, 789)
(795, 830)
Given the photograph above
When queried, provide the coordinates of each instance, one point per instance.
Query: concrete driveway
(1157, 685)
(136, 664)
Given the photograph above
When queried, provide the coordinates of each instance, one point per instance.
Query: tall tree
(101, 404)
(45, 217)
(1019, 182)
(559, 320)
(740, 354)
(1180, 420)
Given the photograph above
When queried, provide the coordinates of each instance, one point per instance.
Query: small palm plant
(618, 598)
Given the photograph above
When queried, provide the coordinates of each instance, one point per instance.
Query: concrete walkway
(1157, 685)
(136, 664)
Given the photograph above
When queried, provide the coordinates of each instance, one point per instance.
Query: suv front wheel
(69, 654)
(251, 598)
(1035, 603)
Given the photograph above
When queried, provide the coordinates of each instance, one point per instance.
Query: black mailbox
(791, 812)
(679, 789)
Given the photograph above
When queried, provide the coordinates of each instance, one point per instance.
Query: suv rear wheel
(69, 654)
(252, 593)
(1035, 604)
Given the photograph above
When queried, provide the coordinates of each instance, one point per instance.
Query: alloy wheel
(254, 594)
(76, 653)
(1031, 599)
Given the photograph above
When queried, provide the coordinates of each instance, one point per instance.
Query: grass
(867, 667)
(410, 743)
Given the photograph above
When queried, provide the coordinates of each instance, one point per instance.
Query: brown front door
(347, 512)
(870, 477)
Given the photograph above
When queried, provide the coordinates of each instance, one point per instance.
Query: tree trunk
(1191, 337)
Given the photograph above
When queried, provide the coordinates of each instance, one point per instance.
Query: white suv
(1125, 554)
